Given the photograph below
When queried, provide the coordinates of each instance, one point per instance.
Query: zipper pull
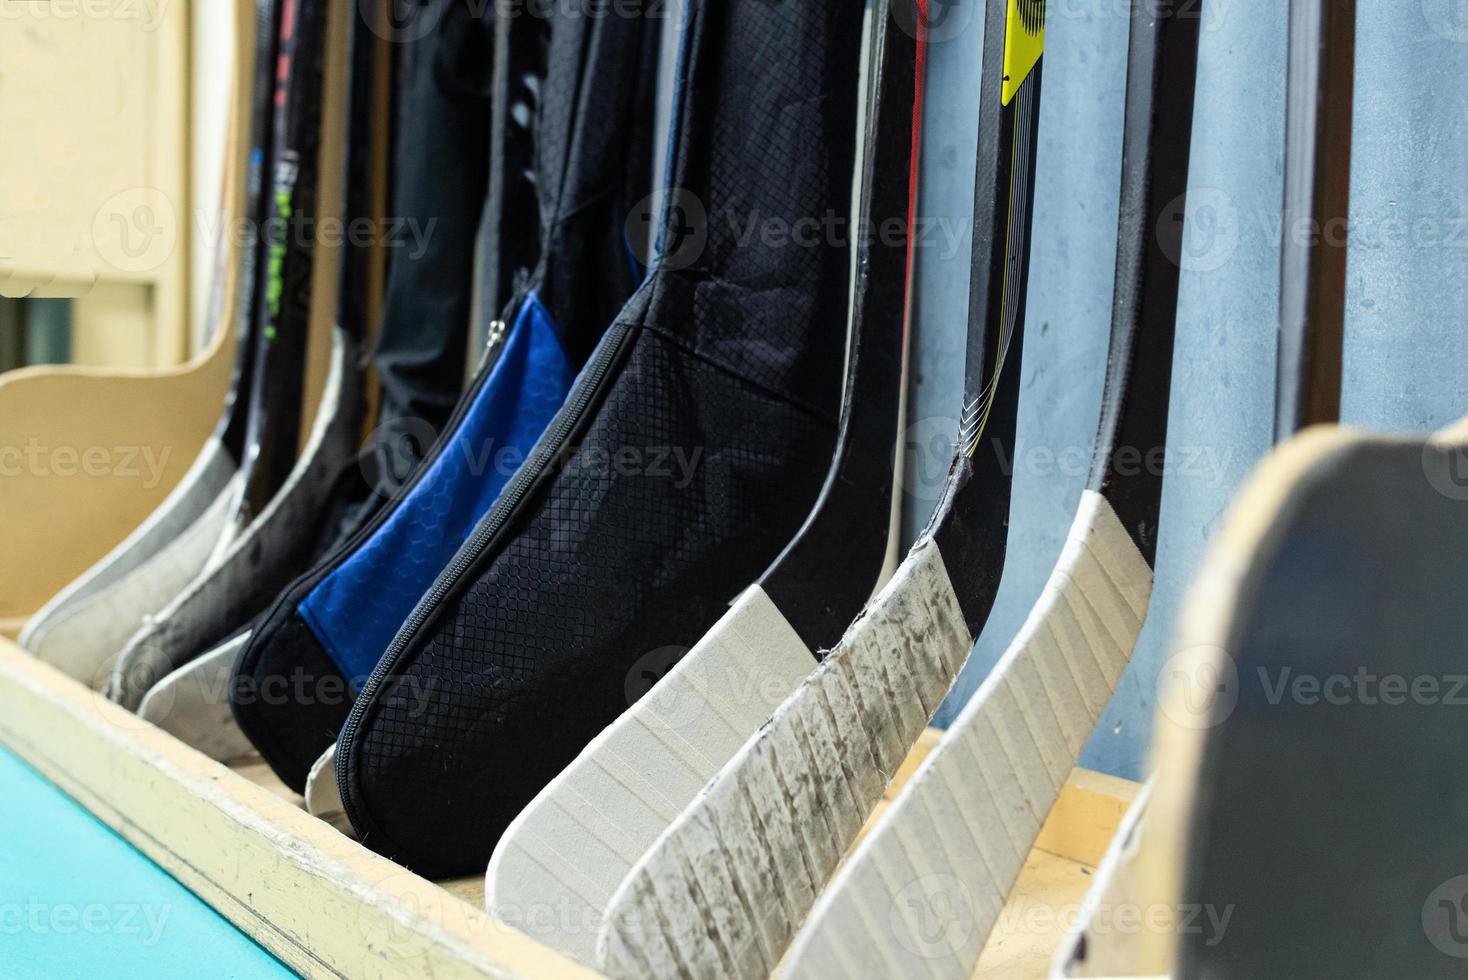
(496, 334)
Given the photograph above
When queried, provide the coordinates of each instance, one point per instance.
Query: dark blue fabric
(357, 609)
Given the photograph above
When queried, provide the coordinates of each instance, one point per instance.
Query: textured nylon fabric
(732, 364)
(356, 610)
(593, 156)
(577, 85)
(439, 184)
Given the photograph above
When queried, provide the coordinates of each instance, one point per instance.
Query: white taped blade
(724, 888)
(1098, 945)
(194, 495)
(926, 885)
(323, 796)
(192, 704)
(89, 621)
(203, 610)
(579, 838)
(84, 638)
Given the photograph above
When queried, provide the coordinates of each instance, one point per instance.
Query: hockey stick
(237, 584)
(1327, 826)
(724, 888)
(577, 840)
(192, 702)
(512, 202)
(1312, 299)
(323, 798)
(235, 428)
(952, 844)
(85, 624)
(284, 301)
(252, 562)
(346, 616)
(1311, 334)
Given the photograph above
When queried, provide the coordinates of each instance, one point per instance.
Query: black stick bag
(689, 452)
(439, 182)
(569, 123)
(439, 175)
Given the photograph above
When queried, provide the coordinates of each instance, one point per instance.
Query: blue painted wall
(1407, 342)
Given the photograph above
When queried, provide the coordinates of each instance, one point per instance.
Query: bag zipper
(546, 450)
(327, 563)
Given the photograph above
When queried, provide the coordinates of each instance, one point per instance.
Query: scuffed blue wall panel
(1408, 289)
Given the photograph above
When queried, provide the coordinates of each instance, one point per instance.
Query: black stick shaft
(971, 523)
(848, 528)
(1162, 72)
(1322, 54)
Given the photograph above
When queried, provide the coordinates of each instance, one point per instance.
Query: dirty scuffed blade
(261, 561)
(87, 623)
(192, 704)
(724, 888)
(957, 836)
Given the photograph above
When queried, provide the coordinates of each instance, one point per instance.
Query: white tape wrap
(949, 849)
(723, 889)
(192, 704)
(226, 588)
(85, 625)
(1099, 946)
(323, 795)
(577, 841)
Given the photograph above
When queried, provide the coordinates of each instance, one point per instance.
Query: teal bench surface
(76, 900)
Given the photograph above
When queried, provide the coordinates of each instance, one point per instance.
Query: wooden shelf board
(329, 907)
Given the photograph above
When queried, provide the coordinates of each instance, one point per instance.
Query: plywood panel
(93, 105)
